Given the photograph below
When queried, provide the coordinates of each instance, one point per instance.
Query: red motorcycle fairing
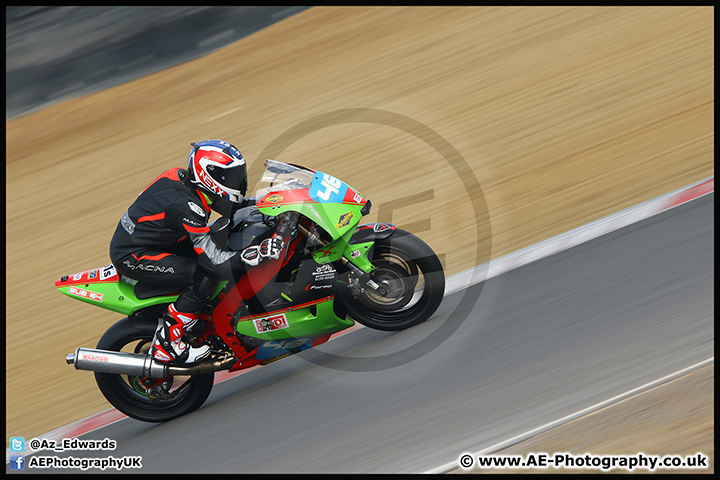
(252, 282)
(286, 197)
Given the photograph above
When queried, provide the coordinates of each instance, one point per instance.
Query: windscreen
(282, 176)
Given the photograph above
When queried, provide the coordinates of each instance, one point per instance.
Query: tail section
(104, 287)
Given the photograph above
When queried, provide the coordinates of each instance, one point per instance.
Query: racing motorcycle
(331, 273)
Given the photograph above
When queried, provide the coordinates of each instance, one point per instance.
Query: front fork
(364, 278)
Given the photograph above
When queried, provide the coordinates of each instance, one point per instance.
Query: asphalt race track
(540, 342)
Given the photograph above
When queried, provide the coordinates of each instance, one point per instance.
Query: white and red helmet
(218, 168)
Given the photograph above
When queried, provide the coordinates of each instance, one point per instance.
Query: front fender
(371, 232)
(362, 241)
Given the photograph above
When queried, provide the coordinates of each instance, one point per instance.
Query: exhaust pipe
(105, 361)
(121, 363)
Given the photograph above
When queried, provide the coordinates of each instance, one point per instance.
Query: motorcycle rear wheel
(128, 395)
(414, 276)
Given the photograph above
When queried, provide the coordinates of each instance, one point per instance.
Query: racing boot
(169, 345)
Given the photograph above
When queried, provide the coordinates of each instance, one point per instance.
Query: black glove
(269, 248)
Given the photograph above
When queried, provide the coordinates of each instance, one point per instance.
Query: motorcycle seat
(144, 290)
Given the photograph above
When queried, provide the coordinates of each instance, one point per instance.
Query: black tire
(416, 278)
(134, 334)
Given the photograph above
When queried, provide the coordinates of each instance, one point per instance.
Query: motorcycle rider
(163, 238)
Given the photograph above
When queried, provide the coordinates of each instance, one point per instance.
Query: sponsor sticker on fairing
(79, 292)
(344, 220)
(323, 272)
(270, 324)
(107, 272)
(327, 189)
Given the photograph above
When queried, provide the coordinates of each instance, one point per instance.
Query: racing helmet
(218, 168)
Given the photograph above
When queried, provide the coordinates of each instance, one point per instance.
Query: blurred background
(57, 53)
(562, 115)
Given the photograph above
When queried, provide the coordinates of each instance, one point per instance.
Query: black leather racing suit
(164, 237)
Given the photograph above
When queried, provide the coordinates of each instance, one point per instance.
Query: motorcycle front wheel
(414, 276)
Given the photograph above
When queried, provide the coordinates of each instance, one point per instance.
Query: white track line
(579, 235)
(560, 421)
(464, 279)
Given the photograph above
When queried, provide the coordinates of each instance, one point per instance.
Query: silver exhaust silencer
(106, 361)
(121, 363)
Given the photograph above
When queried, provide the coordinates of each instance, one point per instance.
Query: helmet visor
(232, 178)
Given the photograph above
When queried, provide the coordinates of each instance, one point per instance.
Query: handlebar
(287, 224)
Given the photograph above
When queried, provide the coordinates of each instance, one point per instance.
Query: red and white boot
(169, 345)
